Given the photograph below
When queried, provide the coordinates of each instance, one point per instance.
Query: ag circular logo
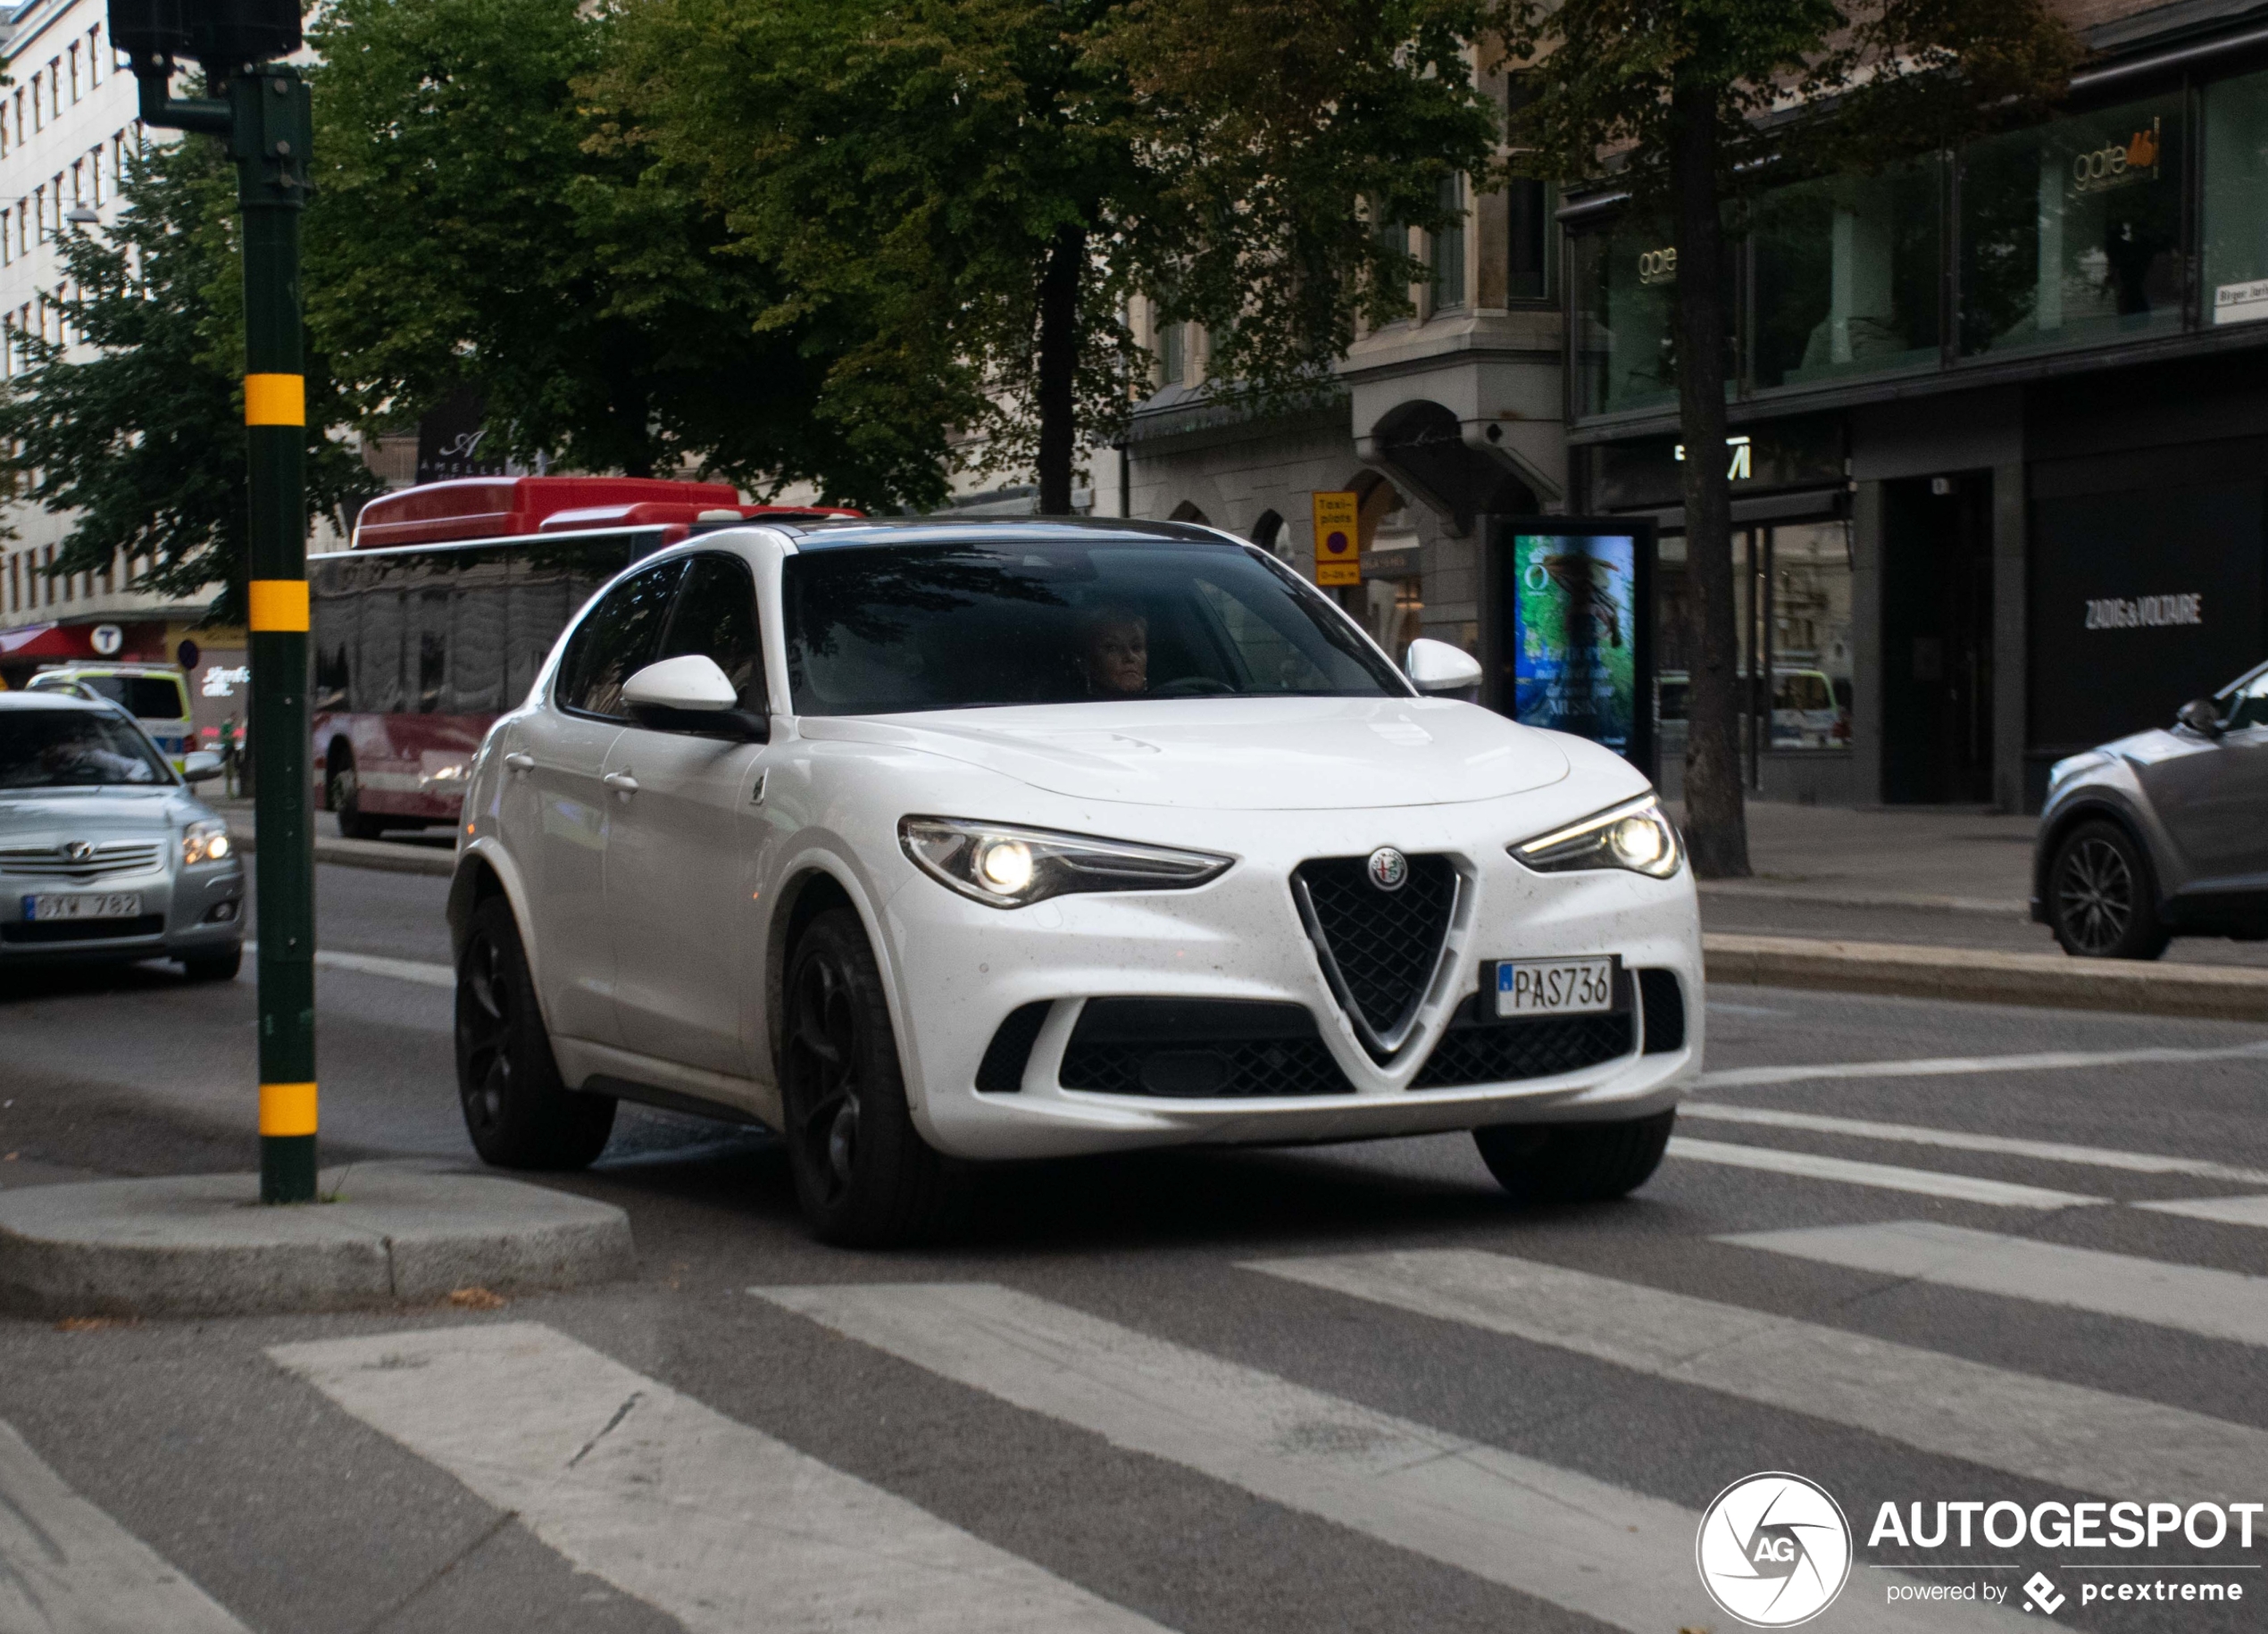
(1774, 1550)
(1390, 869)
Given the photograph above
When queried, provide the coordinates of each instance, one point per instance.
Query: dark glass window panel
(616, 641)
(716, 617)
(75, 749)
(2236, 200)
(1847, 274)
(890, 630)
(2071, 233)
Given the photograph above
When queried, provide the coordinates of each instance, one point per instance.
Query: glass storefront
(1847, 276)
(2236, 200)
(2071, 233)
(1624, 283)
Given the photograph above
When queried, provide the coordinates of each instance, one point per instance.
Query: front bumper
(185, 913)
(962, 969)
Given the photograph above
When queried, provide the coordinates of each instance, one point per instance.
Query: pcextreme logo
(1774, 1550)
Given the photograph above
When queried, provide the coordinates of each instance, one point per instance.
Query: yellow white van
(157, 695)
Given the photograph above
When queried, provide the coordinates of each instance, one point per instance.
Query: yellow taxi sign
(1338, 538)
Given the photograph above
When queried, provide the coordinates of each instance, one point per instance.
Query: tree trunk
(1059, 291)
(1716, 823)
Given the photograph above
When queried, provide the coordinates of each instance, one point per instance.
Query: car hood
(1236, 754)
(90, 812)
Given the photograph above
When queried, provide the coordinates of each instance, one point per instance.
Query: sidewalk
(1922, 857)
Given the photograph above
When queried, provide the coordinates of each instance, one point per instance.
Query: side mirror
(2200, 716)
(690, 694)
(201, 767)
(1436, 666)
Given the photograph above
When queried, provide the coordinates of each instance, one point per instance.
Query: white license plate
(107, 904)
(1554, 986)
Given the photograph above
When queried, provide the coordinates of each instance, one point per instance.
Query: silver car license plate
(104, 904)
(1554, 986)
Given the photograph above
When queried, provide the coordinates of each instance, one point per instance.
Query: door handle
(520, 760)
(621, 782)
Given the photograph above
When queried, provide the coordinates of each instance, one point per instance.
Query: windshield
(919, 627)
(73, 748)
(146, 698)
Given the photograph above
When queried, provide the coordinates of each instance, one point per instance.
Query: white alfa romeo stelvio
(932, 844)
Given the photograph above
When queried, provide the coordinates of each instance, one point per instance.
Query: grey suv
(105, 854)
(2161, 834)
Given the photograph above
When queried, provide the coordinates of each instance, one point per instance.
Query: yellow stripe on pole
(279, 604)
(275, 400)
(287, 1109)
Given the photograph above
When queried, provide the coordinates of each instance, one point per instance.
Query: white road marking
(1949, 1066)
(420, 971)
(718, 1525)
(67, 1568)
(1559, 1536)
(2220, 1211)
(1957, 1141)
(1941, 1403)
(1888, 1177)
(2221, 1304)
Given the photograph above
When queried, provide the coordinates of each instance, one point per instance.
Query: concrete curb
(1834, 896)
(1978, 976)
(202, 1245)
(378, 854)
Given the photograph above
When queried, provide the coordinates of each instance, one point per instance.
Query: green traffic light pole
(267, 122)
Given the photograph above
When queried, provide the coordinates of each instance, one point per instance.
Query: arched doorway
(1268, 533)
(1186, 512)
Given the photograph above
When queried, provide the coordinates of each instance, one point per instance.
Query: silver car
(105, 854)
(2161, 834)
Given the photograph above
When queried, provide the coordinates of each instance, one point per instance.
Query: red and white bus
(433, 622)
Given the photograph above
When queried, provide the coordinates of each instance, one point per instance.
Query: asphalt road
(1186, 1390)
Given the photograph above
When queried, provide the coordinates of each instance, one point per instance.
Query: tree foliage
(977, 187)
(143, 436)
(1691, 105)
(478, 224)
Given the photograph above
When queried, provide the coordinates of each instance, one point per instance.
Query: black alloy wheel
(864, 1175)
(517, 1110)
(2101, 902)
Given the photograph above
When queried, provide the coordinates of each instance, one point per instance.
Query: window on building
(1531, 240)
(56, 87)
(8, 237)
(95, 172)
(1448, 249)
(20, 117)
(73, 54)
(2236, 199)
(39, 214)
(15, 585)
(1847, 273)
(2071, 232)
(1173, 353)
(39, 105)
(94, 55)
(79, 181)
(1625, 282)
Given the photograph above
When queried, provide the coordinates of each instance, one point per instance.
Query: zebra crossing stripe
(1962, 1140)
(1956, 1066)
(65, 1565)
(719, 1525)
(2220, 1211)
(1887, 1177)
(2220, 1305)
(1556, 1535)
(1940, 1404)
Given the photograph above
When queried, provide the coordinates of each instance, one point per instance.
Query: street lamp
(260, 107)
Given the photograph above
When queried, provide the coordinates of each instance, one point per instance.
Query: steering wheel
(1190, 686)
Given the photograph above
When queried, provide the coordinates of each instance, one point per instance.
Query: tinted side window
(615, 642)
(716, 616)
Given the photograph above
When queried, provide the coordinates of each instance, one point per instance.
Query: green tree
(977, 186)
(140, 430)
(476, 223)
(1690, 104)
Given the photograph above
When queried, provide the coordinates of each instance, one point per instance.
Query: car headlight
(1005, 866)
(205, 842)
(1636, 835)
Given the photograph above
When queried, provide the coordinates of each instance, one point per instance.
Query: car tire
(1575, 1163)
(864, 1176)
(214, 966)
(518, 1110)
(342, 793)
(2102, 896)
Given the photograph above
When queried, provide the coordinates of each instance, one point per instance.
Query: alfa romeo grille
(108, 858)
(1380, 949)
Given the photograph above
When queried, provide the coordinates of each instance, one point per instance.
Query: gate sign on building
(1575, 628)
(1338, 538)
